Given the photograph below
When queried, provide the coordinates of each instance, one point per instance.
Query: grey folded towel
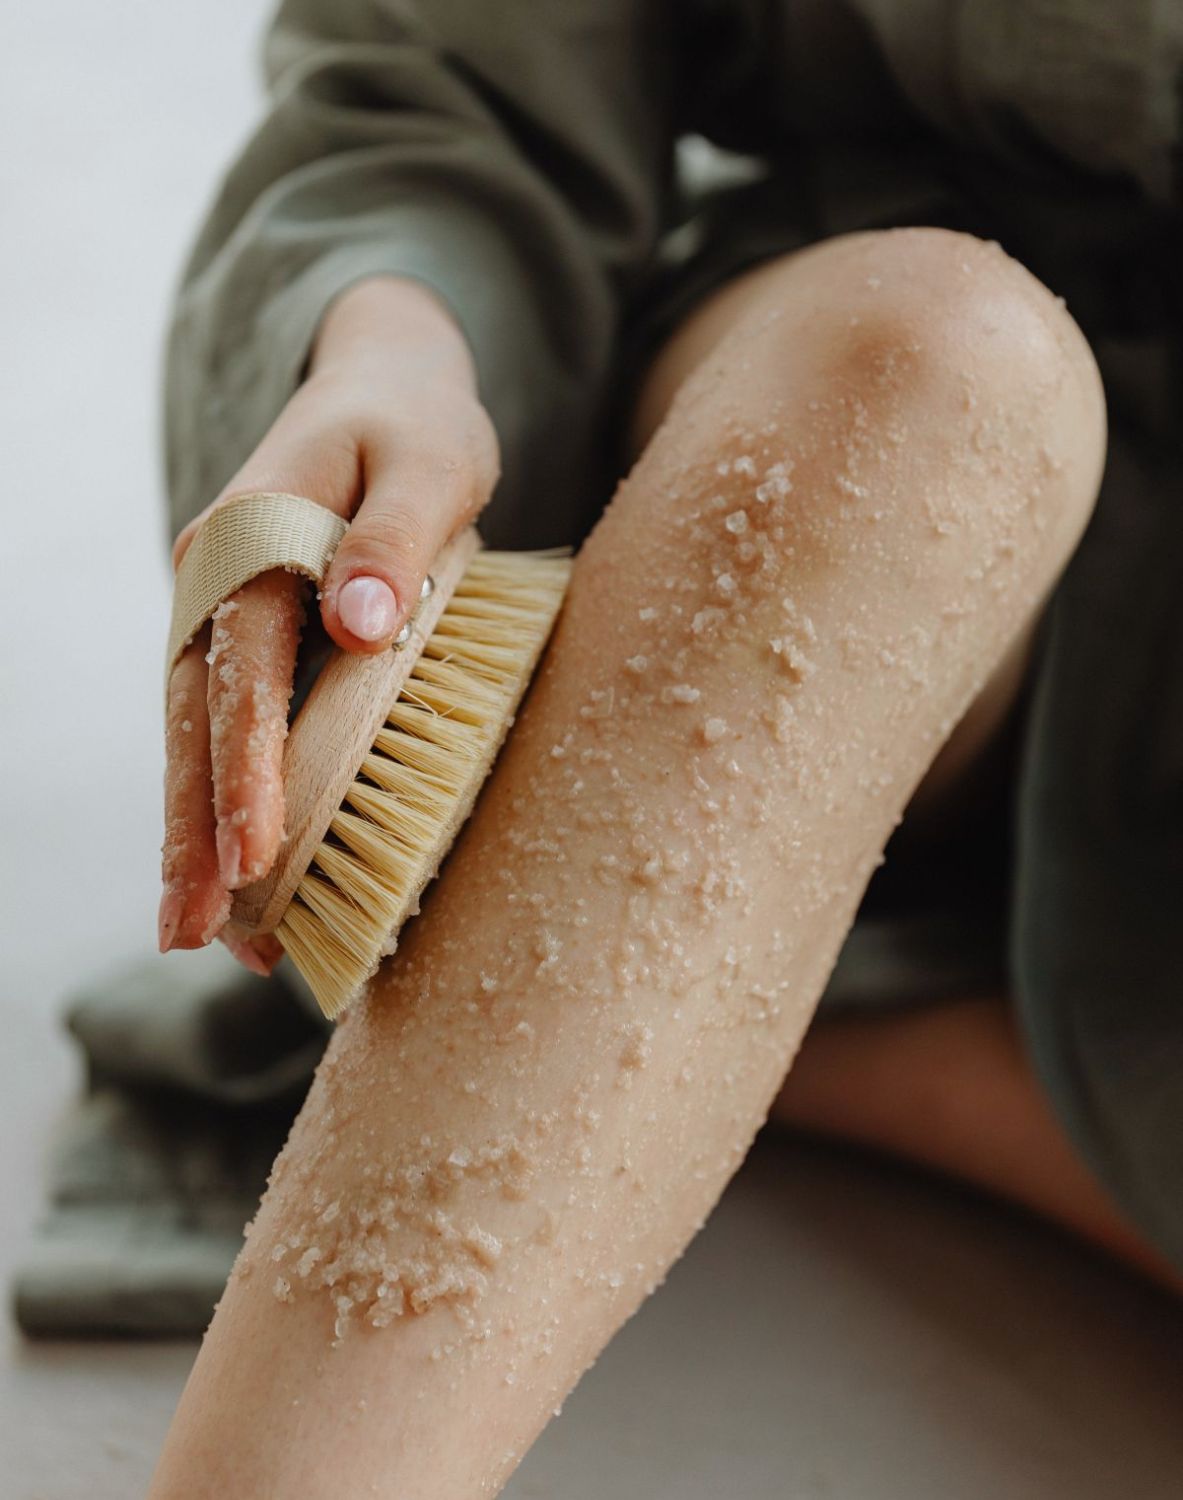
(194, 1072)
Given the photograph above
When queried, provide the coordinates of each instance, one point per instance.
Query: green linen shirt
(520, 156)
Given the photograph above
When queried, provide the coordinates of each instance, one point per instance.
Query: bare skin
(971, 1107)
(852, 509)
(946, 1086)
(387, 429)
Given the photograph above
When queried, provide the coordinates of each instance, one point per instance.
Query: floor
(842, 1331)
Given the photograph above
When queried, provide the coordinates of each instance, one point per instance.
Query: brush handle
(333, 733)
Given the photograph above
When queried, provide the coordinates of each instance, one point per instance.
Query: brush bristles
(417, 785)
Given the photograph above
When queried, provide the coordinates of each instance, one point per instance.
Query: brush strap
(246, 536)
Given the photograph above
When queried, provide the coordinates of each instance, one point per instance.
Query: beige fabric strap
(238, 541)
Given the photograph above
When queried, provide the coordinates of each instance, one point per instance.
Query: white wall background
(116, 117)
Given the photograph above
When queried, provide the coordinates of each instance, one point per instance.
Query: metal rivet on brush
(428, 587)
(403, 636)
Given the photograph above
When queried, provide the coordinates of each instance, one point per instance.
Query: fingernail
(368, 609)
(229, 841)
(172, 905)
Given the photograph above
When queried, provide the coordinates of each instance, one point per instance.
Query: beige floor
(841, 1331)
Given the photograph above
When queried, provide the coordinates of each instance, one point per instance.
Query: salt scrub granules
(423, 1229)
(356, 1251)
(713, 730)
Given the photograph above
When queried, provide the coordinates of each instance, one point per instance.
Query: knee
(946, 338)
(950, 310)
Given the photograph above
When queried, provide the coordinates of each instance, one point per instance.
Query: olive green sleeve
(1085, 81)
(513, 156)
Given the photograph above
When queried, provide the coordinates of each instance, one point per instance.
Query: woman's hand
(387, 429)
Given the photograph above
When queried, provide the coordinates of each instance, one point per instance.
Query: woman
(862, 454)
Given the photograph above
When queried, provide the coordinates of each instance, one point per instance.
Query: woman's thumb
(409, 512)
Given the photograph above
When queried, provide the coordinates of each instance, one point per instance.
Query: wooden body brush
(386, 755)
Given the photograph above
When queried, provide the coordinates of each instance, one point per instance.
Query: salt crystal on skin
(681, 692)
(792, 658)
(745, 465)
(187, 726)
(737, 522)
(638, 664)
(601, 704)
(725, 584)
(485, 1247)
(547, 950)
(306, 1262)
(705, 619)
(647, 614)
(780, 719)
(714, 730)
(637, 1049)
(776, 485)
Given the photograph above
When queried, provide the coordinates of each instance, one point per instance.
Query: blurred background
(844, 1328)
(117, 118)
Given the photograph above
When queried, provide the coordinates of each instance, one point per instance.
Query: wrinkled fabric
(195, 1070)
(520, 158)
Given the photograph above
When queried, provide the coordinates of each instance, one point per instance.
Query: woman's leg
(949, 1086)
(856, 501)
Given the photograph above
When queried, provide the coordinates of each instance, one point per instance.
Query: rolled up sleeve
(513, 158)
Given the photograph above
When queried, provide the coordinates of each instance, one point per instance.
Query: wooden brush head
(415, 788)
(331, 736)
(387, 754)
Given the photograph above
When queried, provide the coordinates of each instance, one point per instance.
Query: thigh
(958, 771)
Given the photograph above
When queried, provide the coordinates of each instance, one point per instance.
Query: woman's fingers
(195, 903)
(252, 658)
(422, 477)
(223, 787)
(253, 642)
(418, 493)
(258, 952)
